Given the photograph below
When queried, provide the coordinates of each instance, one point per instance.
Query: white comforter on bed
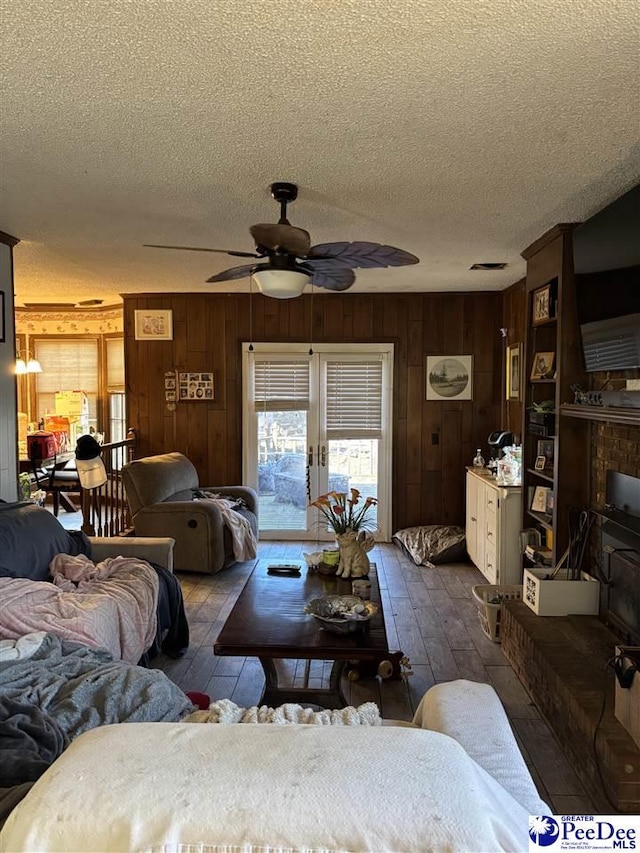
(113, 607)
(236, 789)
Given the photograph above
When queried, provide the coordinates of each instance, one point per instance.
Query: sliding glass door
(314, 424)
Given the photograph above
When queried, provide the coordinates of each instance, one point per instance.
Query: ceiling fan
(291, 261)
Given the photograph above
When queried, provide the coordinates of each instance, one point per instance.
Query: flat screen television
(607, 267)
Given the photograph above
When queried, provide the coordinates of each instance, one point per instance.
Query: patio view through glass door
(315, 424)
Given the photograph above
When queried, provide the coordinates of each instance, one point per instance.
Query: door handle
(309, 464)
(323, 456)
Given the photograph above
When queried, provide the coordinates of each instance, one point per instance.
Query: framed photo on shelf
(543, 308)
(539, 500)
(153, 325)
(514, 362)
(545, 450)
(541, 463)
(543, 365)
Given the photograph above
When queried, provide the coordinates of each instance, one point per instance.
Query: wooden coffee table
(268, 622)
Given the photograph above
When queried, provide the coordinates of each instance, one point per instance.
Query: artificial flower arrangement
(343, 513)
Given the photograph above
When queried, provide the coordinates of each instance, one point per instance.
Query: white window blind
(115, 365)
(281, 386)
(67, 365)
(354, 399)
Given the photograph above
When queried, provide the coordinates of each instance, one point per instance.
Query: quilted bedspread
(113, 607)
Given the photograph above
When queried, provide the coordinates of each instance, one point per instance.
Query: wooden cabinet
(493, 523)
(555, 450)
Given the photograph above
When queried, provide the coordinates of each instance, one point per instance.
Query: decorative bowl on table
(341, 614)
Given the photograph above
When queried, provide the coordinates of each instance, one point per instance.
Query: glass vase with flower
(349, 518)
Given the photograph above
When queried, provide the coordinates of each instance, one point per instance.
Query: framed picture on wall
(449, 377)
(153, 325)
(514, 372)
(195, 386)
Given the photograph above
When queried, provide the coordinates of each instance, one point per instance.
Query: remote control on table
(283, 569)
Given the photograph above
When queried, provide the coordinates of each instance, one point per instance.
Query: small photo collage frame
(195, 387)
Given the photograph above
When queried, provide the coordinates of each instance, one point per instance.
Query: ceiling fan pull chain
(250, 313)
(311, 323)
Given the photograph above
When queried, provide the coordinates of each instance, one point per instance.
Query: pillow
(30, 537)
(176, 787)
(432, 544)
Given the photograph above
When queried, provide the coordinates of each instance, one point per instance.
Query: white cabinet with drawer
(493, 520)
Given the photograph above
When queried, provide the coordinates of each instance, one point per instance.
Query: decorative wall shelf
(610, 414)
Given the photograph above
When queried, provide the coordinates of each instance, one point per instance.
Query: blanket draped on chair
(243, 538)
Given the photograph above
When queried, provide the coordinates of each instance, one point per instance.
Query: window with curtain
(68, 364)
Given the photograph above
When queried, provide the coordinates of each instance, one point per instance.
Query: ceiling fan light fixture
(281, 284)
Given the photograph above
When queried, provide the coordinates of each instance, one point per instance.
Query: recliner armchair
(160, 492)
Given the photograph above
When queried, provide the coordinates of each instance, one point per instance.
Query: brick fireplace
(565, 662)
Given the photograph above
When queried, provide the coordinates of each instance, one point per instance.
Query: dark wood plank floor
(430, 615)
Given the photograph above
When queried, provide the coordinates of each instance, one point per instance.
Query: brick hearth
(562, 662)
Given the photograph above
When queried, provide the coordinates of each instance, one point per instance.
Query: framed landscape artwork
(449, 377)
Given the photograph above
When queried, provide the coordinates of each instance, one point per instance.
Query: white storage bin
(489, 598)
(561, 596)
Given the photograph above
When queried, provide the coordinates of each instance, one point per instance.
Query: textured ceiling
(459, 131)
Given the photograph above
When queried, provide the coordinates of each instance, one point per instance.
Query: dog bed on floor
(432, 544)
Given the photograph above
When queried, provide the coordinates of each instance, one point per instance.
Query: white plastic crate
(489, 598)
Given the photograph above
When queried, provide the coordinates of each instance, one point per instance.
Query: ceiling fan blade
(237, 272)
(295, 241)
(329, 274)
(199, 249)
(363, 254)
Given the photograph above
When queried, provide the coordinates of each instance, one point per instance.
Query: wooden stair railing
(105, 511)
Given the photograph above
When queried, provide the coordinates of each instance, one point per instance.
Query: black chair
(58, 479)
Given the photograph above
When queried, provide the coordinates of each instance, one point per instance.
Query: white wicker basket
(489, 598)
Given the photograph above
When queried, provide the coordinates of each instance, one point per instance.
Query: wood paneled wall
(514, 321)
(432, 441)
